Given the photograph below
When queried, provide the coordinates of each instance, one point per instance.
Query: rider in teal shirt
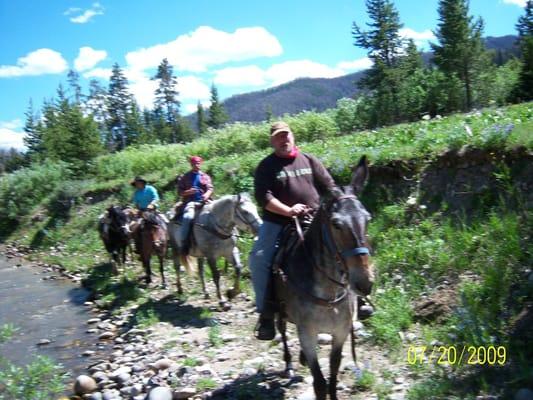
(145, 196)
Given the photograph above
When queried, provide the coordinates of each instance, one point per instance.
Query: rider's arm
(277, 207)
(322, 178)
(208, 187)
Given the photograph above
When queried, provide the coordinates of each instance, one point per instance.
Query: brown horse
(153, 240)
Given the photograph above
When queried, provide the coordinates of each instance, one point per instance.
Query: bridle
(221, 232)
(339, 255)
(342, 255)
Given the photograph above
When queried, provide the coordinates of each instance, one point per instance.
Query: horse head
(119, 221)
(345, 230)
(246, 215)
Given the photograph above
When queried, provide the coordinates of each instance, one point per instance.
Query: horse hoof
(206, 296)
(225, 306)
(232, 293)
(180, 290)
(289, 374)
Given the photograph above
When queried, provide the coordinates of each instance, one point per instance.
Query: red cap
(195, 159)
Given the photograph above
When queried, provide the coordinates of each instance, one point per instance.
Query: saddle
(287, 241)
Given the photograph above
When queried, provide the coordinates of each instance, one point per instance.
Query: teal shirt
(143, 197)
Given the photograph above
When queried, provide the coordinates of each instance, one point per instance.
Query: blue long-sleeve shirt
(143, 197)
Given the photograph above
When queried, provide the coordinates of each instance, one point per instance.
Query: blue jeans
(188, 216)
(260, 260)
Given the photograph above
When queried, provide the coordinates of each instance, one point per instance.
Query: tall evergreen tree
(201, 123)
(217, 114)
(384, 46)
(33, 139)
(460, 53)
(74, 82)
(525, 37)
(118, 106)
(166, 97)
(97, 106)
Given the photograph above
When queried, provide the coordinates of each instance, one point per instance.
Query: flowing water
(52, 310)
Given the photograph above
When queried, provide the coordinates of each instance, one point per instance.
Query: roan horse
(113, 227)
(316, 286)
(215, 236)
(153, 240)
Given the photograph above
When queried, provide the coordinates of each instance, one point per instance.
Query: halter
(342, 255)
(340, 258)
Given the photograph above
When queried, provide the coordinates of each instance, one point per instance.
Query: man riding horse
(145, 198)
(195, 188)
(287, 183)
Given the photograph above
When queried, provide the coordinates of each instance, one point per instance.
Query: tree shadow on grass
(174, 311)
(110, 291)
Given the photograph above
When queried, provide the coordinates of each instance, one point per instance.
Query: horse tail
(185, 261)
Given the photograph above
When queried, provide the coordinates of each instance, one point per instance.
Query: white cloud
(190, 108)
(102, 73)
(421, 38)
(207, 46)
(520, 3)
(38, 62)
(10, 136)
(355, 65)
(250, 75)
(86, 16)
(277, 74)
(13, 124)
(72, 10)
(88, 58)
(193, 88)
(290, 70)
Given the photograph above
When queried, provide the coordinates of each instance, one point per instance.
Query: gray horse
(316, 285)
(215, 236)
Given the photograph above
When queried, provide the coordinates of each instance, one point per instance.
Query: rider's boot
(364, 310)
(265, 329)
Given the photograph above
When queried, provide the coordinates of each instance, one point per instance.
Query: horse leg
(236, 261)
(282, 328)
(308, 343)
(114, 261)
(202, 278)
(212, 262)
(334, 363)
(161, 256)
(177, 268)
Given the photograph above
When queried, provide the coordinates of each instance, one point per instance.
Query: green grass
(214, 336)
(205, 384)
(41, 379)
(190, 362)
(366, 381)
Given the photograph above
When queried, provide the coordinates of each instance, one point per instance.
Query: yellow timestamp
(457, 355)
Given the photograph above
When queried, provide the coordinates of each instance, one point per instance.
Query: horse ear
(360, 175)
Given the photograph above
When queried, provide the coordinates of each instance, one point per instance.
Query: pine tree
(217, 114)
(525, 37)
(201, 124)
(166, 97)
(33, 139)
(268, 113)
(74, 82)
(118, 105)
(384, 46)
(460, 53)
(96, 106)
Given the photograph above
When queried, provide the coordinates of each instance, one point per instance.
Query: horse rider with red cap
(195, 188)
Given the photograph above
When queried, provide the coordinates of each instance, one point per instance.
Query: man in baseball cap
(195, 187)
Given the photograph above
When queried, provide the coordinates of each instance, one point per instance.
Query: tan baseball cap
(279, 127)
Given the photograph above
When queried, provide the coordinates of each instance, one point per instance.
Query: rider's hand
(150, 207)
(205, 197)
(298, 209)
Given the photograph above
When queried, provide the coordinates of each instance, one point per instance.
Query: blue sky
(241, 46)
